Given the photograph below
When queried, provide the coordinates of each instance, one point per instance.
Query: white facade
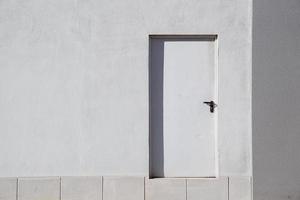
(74, 87)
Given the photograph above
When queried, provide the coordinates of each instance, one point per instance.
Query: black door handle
(212, 105)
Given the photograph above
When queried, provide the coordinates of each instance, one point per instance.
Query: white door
(189, 125)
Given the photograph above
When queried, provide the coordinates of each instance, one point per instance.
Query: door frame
(200, 37)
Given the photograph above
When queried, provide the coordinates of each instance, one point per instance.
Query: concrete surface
(276, 94)
(74, 83)
(81, 188)
(207, 189)
(123, 188)
(8, 188)
(39, 188)
(165, 189)
(240, 188)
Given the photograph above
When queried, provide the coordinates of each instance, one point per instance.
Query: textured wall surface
(74, 82)
(276, 94)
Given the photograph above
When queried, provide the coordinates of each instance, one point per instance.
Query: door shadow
(156, 140)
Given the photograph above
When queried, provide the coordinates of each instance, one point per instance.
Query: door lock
(212, 105)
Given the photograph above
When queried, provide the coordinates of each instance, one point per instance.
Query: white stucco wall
(74, 82)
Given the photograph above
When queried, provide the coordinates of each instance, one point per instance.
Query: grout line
(251, 187)
(102, 187)
(17, 189)
(144, 188)
(60, 188)
(227, 188)
(186, 194)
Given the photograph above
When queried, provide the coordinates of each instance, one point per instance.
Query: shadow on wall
(276, 99)
(156, 68)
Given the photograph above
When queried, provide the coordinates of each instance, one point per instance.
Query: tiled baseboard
(125, 188)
